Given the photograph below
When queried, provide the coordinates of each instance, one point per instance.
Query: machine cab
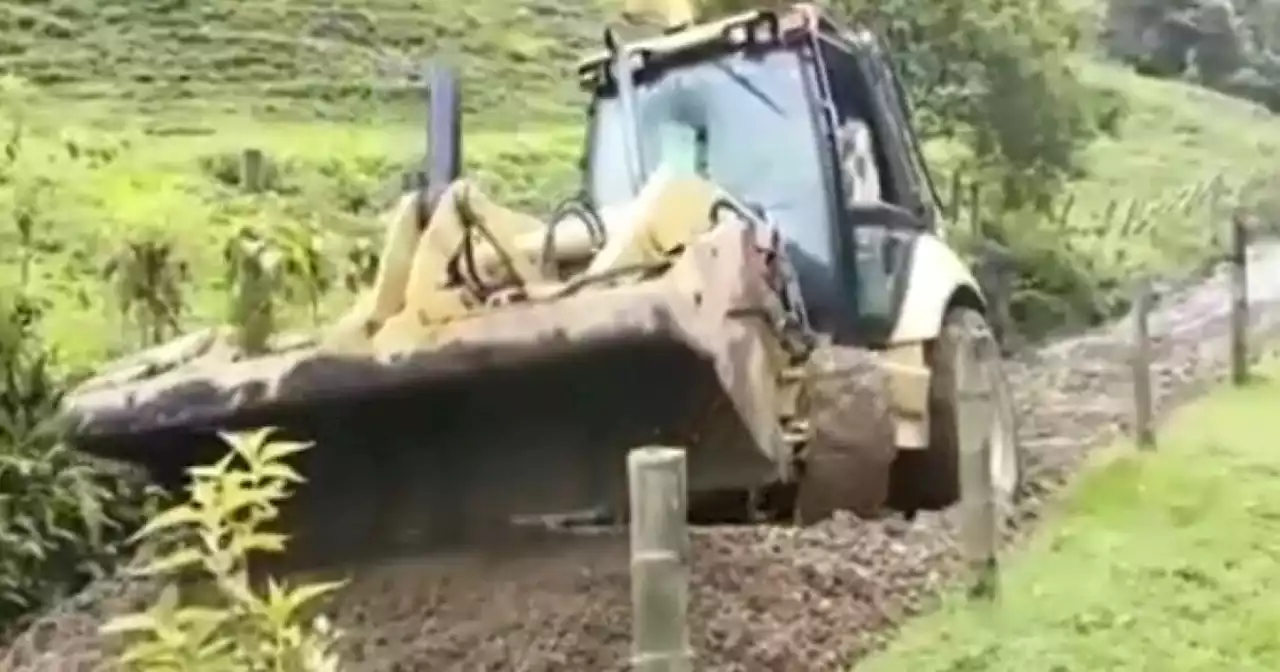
(801, 119)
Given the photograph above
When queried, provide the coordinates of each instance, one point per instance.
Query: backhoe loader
(754, 269)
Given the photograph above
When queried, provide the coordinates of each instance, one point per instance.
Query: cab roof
(802, 16)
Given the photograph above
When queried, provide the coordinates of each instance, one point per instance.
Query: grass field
(338, 59)
(1167, 562)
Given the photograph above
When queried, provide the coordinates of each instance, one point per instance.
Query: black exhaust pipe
(443, 162)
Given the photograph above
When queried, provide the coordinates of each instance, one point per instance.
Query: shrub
(212, 536)
(62, 518)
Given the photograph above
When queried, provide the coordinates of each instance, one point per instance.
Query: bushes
(148, 242)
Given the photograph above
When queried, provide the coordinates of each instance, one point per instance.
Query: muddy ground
(766, 598)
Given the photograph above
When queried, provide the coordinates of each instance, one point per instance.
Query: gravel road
(765, 598)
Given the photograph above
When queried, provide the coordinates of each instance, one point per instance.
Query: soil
(763, 598)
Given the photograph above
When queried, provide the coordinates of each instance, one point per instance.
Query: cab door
(881, 212)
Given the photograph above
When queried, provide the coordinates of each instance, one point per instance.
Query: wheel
(929, 479)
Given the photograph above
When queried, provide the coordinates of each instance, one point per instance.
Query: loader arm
(474, 253)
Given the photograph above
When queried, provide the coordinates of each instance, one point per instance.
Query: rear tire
(929, 479)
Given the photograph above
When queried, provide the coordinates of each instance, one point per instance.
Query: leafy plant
(26, 214)
(255, 276)
(62, 519)
(29, 190)
(309, 272)
(214, 533)
(148, 276)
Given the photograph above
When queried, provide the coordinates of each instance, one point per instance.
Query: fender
(936, 275)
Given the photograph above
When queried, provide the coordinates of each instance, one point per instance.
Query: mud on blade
(450, 455)
(451, 458)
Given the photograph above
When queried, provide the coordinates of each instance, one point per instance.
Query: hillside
(294, 58)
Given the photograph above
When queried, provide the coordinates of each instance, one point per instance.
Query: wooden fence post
(975, 411)
(1143, 432)
(251, 170)
(657, 481)
(1239, 301)
(995, 273)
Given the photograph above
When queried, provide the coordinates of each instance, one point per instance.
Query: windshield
(743, 122)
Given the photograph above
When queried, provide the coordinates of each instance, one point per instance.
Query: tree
(996, 76)
(1220, 50)
(254, 275)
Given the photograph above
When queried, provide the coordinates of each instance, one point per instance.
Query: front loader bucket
(524, 410)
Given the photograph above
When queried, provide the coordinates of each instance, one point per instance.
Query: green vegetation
(110, 174)
(207, 543)
(299, 59)
(62, 519)
(1163, 561)
(123, 126)
(93, 199)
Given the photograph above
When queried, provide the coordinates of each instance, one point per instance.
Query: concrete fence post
(657, 481)
(975, 414)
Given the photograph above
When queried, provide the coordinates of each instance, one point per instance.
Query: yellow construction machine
(754, 270)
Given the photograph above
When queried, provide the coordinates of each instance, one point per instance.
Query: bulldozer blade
(523, 410)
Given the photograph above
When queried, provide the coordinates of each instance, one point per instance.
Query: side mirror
(887, 215)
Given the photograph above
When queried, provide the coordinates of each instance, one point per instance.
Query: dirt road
(775, 599)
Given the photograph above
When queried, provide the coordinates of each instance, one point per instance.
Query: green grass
(346, 59)
(175, 185)
(1181, 159)
(1168, 562)
(1175, 135)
